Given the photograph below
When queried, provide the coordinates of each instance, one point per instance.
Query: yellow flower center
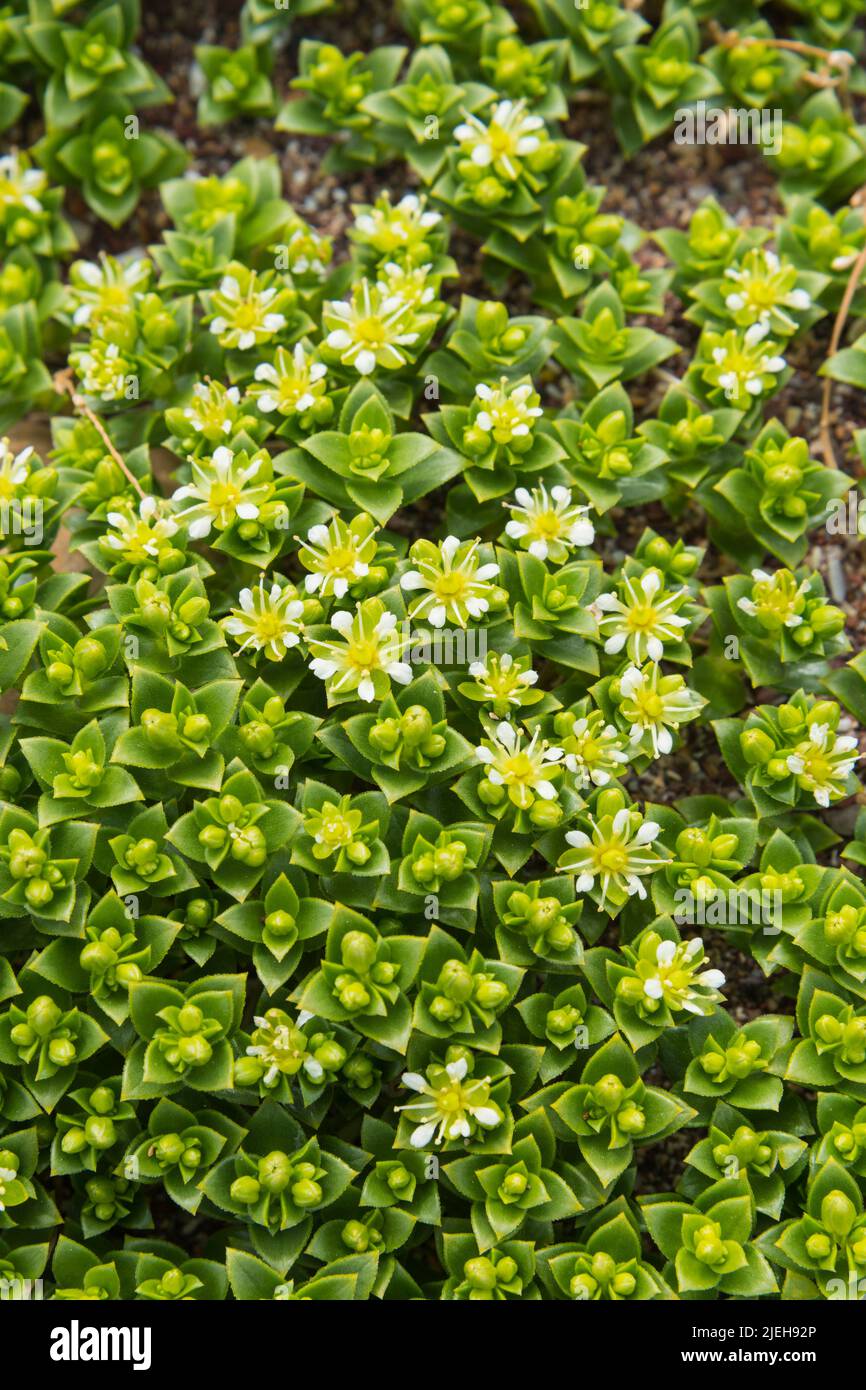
(818, 766)
(760, 293)
(547, 525)
(501, 141)
(114, 297)
(451, 586)
(519, 768)
(339, 559)
(642, 618)
(224, 496)
(612, 858)
(269, 626)
(649, 705)
(364, 654)
(246, 315)
(450, 1099)
(370, 331)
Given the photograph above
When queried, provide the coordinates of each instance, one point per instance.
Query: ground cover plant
(431, 612)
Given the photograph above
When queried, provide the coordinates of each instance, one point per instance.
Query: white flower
(642, 620)
(6, 1175)
(20, 185)
(451, 1107)
(594, 750)
(212, 410)
(675, 979)
(101, 369)
(504, 681)
(510, 135)
(525, 772)
(244, 315)
(764, 284)
(618, 851)
(371, 329)
(222, 490)
(14, 469)
(548, 525)
(455, 586)
(106, 288)
(337, 554)
(409, 283)
(369, 656)
(776, 599)
(142, 537)
(293, 382)
(654, 704)
(268, 620)
(822, 763)
(399, 232)
(508, 412)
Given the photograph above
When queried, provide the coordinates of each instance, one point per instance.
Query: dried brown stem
(63, 386)
(833, 60)
(835, 338)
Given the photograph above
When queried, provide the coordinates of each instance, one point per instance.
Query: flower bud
(330, 1055)
(306, 1193)
(280, 923)
(354, 997)
(168, 1148)
(818, 1246)
(43, 1015)
(100, 1131)
(73, 1141)
(385, 735)
(456, 982)
(61, 1051)
(491, 994)
(416, 724)
(631, 1119)
(248, 1071)
(358, 951)
(608, 1093)
(545, 814)
(96, 957)
(89, 657)
(159, 727)
(245, 1191)
(398, 1178)
(193, 611)
(197, 728)
(838, 1213)
(480, 1273)
(194, 1051)
(757, 746)
(190, 1018)
(582, 1286)
(102, 1100)
(449, 861)
(198, 912)
(275, 1172)
(515, 1184)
